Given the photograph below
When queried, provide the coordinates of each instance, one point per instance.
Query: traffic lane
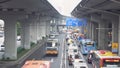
(66, 56)
(89, 64)
(36, 55)
(39, 54)
(71, 66)
(67, 63)
(83, 56)
(56, 61)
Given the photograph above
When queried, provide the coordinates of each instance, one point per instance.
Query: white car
(79, 63)
(2, 47)
(52, 36)
(73, 49)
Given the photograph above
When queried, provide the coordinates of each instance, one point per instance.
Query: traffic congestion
(86, 52)
(71, 49)
(59, 33)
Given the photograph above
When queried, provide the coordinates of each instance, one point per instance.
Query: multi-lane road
(59, 61)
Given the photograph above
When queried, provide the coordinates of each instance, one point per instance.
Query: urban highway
(60, 61)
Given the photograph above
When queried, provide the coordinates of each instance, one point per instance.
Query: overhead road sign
(76, 22)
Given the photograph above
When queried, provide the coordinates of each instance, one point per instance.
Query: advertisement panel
(114, 47)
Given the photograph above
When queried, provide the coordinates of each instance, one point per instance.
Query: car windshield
(75, 50)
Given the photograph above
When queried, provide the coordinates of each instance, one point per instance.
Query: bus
(87, 46)
(52, 47)
(104, 59)
(36, 64)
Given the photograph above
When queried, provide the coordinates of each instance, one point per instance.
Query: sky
(64, 7)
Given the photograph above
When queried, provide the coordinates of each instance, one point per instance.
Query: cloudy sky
(64, 7)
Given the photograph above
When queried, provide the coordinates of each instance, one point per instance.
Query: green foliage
(22, 52)
(18, 28)
(32, 44)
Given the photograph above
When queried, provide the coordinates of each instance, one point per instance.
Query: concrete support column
(33, 31)
(38, 30)
(101, 35)
(58, 25)
(92, 31)
(115, 31)
(48, 28)
(88, 26)
(31, 36)
(96, 32)
(25, 34)
(40, 33)
(10, 39)
(119, 37)
(89, 30)
(54, 25)
(43, 29)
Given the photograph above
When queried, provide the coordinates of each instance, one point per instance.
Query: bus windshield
(51, 48)
(49, 44)
(90, 44)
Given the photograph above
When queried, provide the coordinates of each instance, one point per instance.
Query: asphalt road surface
(39, 54)
(59, 61)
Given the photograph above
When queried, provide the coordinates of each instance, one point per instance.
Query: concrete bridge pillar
(119, 37)
(92, 30)
(43, 29)
(38, 30)
(10, 38)
(89, 30)
(102, 27)
(10, 18)
(47, 27)
(34, 31)
(95, 31)
(25, 41)
(115, 30)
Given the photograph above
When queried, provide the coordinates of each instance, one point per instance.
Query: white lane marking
(65, 56)
(51, 60)
(62, 55)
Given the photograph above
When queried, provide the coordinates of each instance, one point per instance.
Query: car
(89, 56)
(52, 36)
(2, 48)
(72, 50)
(70, 59)
(18, 38)
(79, 63)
